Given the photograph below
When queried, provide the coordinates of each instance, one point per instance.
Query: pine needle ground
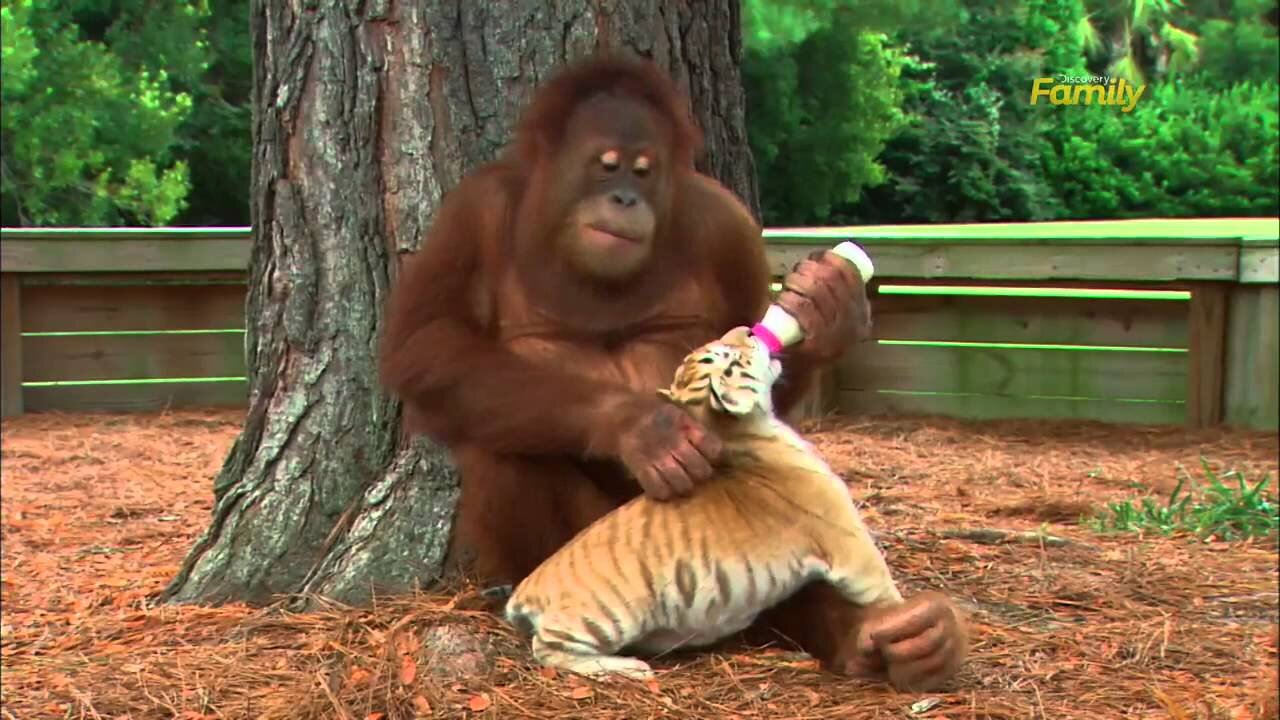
(1068, 622)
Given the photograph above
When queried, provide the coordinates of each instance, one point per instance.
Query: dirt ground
(98, 511)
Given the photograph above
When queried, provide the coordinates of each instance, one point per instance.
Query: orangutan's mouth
(610, 235)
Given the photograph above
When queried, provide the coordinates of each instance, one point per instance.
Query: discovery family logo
(1094, 90)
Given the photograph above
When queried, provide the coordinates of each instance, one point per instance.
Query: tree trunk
(365, 113)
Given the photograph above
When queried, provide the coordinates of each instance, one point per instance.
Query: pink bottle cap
(766, 336)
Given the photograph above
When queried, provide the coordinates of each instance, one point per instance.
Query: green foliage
(1202, 141)
(821, 78)
(86, 136)
(1184, 151)
(1237, 42)
(972, 150)
(1141, 40)
(20, 49)
(822, 113)
(1231, 510)
(769, 25)
(128, 112)
(113, 110)
(958, 162)
(205, 46)
(772, 26)
(216, 138)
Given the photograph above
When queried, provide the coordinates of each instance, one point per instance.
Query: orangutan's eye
(641, 165)
(610, 160)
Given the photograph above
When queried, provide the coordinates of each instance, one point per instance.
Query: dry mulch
(98, 511)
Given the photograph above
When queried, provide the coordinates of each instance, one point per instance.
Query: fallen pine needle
(99, 509)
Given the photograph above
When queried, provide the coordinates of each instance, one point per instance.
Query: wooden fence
(1149, 321)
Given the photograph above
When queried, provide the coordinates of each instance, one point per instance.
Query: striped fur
(650, 576)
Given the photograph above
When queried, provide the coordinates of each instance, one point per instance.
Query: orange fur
(653, 576)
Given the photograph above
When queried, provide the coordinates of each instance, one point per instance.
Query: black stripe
(664, 550)
(705, 561)
(723, 584)
(566, 649)
(559, 637)
(646, 573)
(610, 615)
(686, 582)
(681, 619)
(623, 600)
(598, 632)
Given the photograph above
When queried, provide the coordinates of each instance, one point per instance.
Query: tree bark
(365, 113)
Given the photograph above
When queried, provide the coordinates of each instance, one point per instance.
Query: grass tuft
(1229, 508)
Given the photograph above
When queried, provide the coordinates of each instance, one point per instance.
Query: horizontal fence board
(1158, 231)
(1031, 320)
(132, 357)
(1026, 261)
(151, 271)
(1047, 285)
(124, 254)
(1194, 249)
(138, 397)
(176, 232)
(978, 407)
(104, 279)
(1016, 371)
(1259, 262)
(85, 308)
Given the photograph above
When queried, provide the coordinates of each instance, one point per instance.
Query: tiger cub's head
(732, 376)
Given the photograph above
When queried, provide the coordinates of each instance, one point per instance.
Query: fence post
(1253, 358)
(1252, 386)
(10, 345)
(1208, 333)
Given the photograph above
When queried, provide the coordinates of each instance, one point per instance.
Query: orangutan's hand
(919, 645)
(667, 451)
(827, 297)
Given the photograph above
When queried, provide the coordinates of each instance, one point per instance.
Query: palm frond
(1184, 47)
(1088, 35)
(1127, 67)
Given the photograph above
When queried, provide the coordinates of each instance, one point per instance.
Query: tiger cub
(653, 576)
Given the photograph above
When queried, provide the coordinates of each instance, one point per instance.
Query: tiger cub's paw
(612, 665)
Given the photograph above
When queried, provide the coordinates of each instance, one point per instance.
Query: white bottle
(778, 329)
